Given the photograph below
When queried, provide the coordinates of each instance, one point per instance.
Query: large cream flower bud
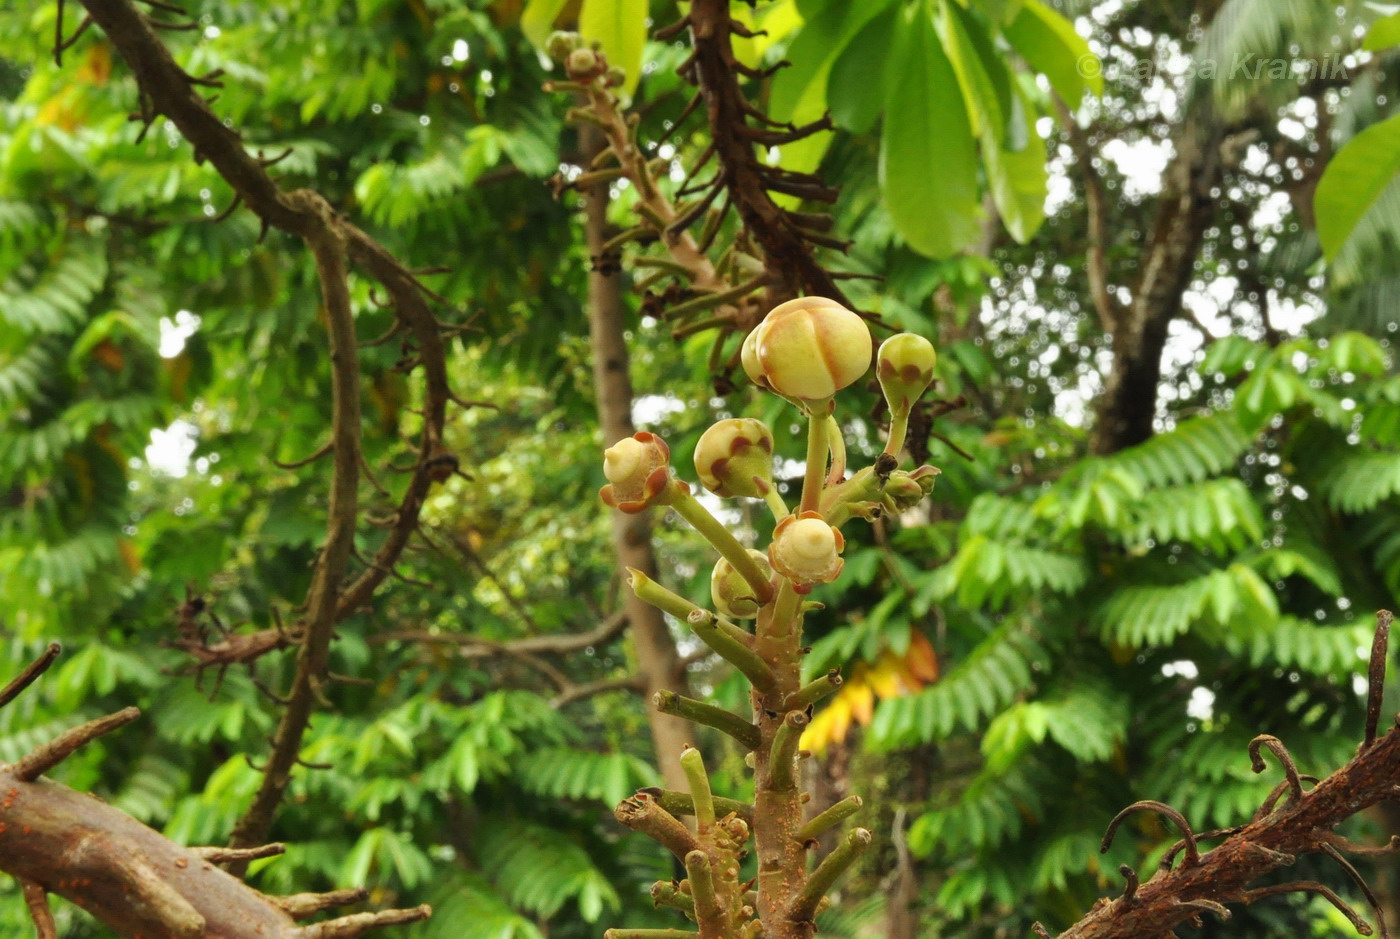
(905, 368)
(735, 458)
(731, 593)
(639, 472)
(807, 349)
(807, 550)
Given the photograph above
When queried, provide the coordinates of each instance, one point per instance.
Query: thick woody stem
(644, 814)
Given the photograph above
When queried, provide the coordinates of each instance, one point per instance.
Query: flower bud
(907, 490)
(615, 76)
(731, 593)
(582, 63)
(808, 349)
(560, 44)
(807, 550)
(905, 368)
(638, 471)
(735, 458)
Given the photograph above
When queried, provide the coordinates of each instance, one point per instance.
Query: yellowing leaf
(620, 26)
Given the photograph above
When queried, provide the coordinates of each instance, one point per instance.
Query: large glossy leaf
(1050, 44)
(1384, 34)
(1354, 182)
(537, 19)
(1018, 179)
(855, 89)
(621, 27)
(928, 159)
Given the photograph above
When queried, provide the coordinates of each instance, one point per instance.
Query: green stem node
(707, 627)
(804, 905)
(668, 702)
(812, 692)
(702, 890)
(694, 766)
(666, 893)
(725, 543)
(783, 761)
(833, 816)
(680, 803)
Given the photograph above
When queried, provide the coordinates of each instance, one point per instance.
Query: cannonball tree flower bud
(905, 369)
(734, 457)
(807, 550)
(807, 349)
(560, 44)
(731, 593)
(907, 490)
(639, 472)
(583, 64)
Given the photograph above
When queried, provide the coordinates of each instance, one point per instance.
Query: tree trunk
(1128, 405)
(656, 651)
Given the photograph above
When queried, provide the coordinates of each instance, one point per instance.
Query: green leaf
(1050, 44)
(855, 89)
(537, 19)
(1384, 34)
(1354, 181)
(1018, 180)
(621, 27)
(928, 160)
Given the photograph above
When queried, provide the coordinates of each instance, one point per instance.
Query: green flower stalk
(805, 351)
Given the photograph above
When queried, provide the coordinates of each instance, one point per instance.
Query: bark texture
(657, 658)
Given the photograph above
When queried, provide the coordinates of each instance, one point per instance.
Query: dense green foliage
(1107, 627)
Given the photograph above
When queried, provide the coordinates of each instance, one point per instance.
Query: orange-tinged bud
(638, 471)
(905, 368)
(807, 349)
(731, 593)
(735, 458)
(807, 550)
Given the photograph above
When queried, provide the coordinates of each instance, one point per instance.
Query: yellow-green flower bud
(638, 471)
(560, 44)
(735, 458)
(731, 593)
(907, 490)
(905, 368)
(583, 64)
(615, 76)
(807, 550)
(807, 349)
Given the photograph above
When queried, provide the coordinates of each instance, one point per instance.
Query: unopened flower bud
(638, 471)
(807, 349)
(615, 76)
(560, 44)
(735, 458)
(807, 550)
(731, 593)
(905, 368)
(582, 63)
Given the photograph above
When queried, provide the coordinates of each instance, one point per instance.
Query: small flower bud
(907, 490)
(615, 76)
(731, 593)
(582, 64)
(638, 471)
(560, 44)
(808, 349)
(807, 550)
(905, 368)
(735, 458)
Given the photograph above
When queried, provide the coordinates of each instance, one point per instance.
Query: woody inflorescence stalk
(806, 351)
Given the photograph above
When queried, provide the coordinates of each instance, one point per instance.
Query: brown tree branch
(1096, 205)
(166, 89)
(131, 878)
(1303, 824)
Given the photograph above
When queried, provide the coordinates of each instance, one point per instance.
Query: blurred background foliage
(1061, 632)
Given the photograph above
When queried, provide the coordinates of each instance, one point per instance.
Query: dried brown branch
(1302, 825)
(55, 840)
(166, 89)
